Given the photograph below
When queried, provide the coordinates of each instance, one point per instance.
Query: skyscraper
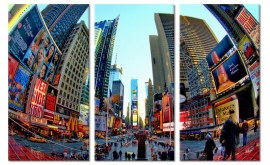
(162, 51)
(118, 96)
(149, 104)
(196, 41)
(61, 19)
(134, 103)
(103, 57)
(73, 71)
(115, 74)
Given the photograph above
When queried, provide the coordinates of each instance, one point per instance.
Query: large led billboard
(167, 109)
(246, 47)
(38, 98)
(250, 25)
(134, 116)
(17, 84)
(222, 111)
(50, 102)
(254, 72)
(157, 102)
(228, 73)
(100, 123)
(219, 51)
(31, 43)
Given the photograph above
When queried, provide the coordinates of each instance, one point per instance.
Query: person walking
(120, 155)
(230, 135)
(126, 155)
(245, 131)
(133, 156)
(209, 146)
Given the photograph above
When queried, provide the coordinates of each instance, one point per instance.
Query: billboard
(167, 127)
(167, 108)
(250, 25)
(157, 102)
(246, 48)
(17, 83)
(100, 123)
(134, 116)
(20, 39)
(38, 98)
(97, 102)
(222, 111)
(219, 51)
(254, 72)
(50, 102)
(183, 96)
(228, 73)
(32, 45)
(84, 114)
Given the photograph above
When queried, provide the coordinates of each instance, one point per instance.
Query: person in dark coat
(133, 156)
(120, 155)
(209, 146)
(128, 156)
(125, 155)
(229, 135)
(245, 132)
(163, 155)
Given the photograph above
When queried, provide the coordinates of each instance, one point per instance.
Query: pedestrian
(230, 135)
(121, 145)
(115, 155)
(209, 146)
(128, 156)
(152, 151)
(120, 155)
(163, 156)
(244, 129)
(133, 156)
(125, 155)
(167, 145)
(154, 157)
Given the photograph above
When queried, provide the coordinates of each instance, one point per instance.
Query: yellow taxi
(38, 139)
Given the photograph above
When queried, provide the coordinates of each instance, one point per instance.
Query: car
(38, 139)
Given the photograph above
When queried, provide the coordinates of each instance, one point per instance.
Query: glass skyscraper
(103, 57)
(61, 19)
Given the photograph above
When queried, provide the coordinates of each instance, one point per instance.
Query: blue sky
(132, 46)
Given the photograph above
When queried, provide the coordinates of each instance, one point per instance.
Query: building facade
(73, 68)
(134, 103)
(61, 19)
(162, 51)
(103, 57)
(196, 41)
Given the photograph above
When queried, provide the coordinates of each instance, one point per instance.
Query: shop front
(190, 134)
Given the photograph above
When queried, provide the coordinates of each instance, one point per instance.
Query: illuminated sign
(229, 73)
(38, 98)
(250, 25)
(222, 111)
(50, 102)
(17, 88)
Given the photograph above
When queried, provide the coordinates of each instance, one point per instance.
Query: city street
(133, 148)
(48, 147)
(198, 146)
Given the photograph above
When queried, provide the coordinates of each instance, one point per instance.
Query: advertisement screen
(32, 45)
(222, 111)
(134, 115)
(17, 87)
(38, 98)
(56, 79)
(97, 102)
(219, 51)
(184, 120)
(247, 48)
(84, 114)
(229, 73)
(12, 67)
(254, 72)
(50, 102)
(100, 123)
(24, 33)
(157, 102)
(250, 25)
(167, 127)
(167, 109)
